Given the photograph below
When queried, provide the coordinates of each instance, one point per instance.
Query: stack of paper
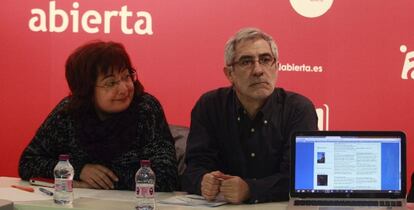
(192, 200)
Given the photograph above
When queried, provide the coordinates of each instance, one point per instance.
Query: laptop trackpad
(335, 208)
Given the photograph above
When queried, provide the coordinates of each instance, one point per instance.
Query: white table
(118, 200)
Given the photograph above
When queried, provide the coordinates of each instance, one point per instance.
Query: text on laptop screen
(347, 164)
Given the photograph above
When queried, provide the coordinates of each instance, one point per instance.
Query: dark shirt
(153, 141)
(222, 137)
(410, 196)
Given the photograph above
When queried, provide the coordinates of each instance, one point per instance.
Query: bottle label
(63, 185)
(144, 191)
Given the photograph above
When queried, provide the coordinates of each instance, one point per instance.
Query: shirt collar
(266, 109)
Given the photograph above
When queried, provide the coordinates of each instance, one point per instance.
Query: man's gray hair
(243, 35)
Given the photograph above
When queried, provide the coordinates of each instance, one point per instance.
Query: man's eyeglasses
(111, 83)
(248, 62)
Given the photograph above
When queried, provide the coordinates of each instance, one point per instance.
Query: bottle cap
(64, 157)
(145, 163)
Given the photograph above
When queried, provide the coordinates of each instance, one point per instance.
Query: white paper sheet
(116, 195)
(192, 200)
(15, 195)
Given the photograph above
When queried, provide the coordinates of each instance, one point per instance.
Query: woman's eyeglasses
(111, 83)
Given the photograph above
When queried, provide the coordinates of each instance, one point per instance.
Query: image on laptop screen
(350, 164)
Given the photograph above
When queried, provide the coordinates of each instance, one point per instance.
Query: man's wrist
(247, 194)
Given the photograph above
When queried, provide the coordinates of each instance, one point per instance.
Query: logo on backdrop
(408, 68)
(91, 21)
(293, 67)
(323, 117)
(311, 8)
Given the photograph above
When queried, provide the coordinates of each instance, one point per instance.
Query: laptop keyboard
(346, 203)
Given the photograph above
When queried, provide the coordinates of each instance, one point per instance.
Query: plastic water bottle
(63, 173)
(145, 186)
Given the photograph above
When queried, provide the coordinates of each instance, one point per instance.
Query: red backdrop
(362, 52)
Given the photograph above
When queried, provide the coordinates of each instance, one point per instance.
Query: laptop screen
(349, 164)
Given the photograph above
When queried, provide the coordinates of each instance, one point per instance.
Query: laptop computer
(347, 170)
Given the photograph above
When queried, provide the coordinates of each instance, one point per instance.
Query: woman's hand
(98, 176)
(81, 184)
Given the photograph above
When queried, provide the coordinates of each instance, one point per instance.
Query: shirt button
(238, 119)
(265, 122)
(253, 155)
(252, 130)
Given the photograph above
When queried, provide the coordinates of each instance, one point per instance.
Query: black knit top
(59, 134)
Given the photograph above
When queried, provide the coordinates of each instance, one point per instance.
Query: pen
(45, 191)
(28, 189)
